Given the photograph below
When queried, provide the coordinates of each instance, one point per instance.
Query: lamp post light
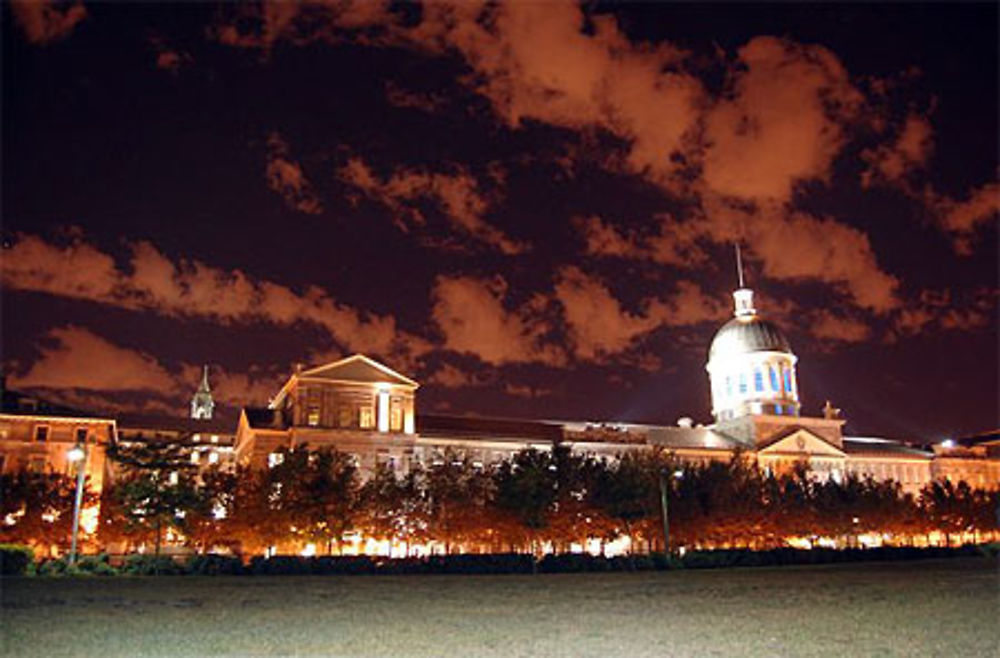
(77, 453)
(665, 507)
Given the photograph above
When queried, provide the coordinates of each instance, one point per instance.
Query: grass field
(933, 608)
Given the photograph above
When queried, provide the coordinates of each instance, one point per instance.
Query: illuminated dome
(748, 333)
(751, 366)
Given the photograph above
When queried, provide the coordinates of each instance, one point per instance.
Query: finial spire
(739, 264)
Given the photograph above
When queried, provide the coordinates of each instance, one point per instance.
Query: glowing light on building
(383, 411)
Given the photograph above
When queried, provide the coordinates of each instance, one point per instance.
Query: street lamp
(77, 453)
(665, 508)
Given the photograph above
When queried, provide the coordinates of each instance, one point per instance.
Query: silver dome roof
(748, 333)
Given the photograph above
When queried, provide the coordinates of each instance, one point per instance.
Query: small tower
(202, 403)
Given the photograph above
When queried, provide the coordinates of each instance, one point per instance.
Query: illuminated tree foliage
(154, 491)
(37, 508)
(533, 502)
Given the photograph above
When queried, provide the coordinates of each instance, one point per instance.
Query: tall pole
(81, 474)
(664, 508)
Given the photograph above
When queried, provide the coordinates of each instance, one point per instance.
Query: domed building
(751, 366)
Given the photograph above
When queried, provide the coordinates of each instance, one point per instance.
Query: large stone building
(364, 408)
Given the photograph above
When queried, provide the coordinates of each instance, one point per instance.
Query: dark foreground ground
(932, 608)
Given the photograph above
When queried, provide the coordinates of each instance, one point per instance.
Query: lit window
(775, 382)
(195, 456)
(758, 380)
(743, 382)
(213, 457)
(777, 409)
(42, 433)
(788, 380)
(312, 417)
(396, 419)
(366, 418)
(174, 478)
(274, 459)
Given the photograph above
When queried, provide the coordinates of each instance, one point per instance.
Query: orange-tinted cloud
(82, 359)
(193, 289)
(457, 195)
(45, 21)
(940, 310)
(892, 162)
(286, 178)
(962, 219)
(673, 243)
(600, 327)
(533, 61)
(449, 376)
(525, 391)
(401, 97)
(826, 326)
(781, 122)
(260, 25)
(472, 317)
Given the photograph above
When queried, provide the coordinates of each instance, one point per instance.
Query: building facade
(365, 409)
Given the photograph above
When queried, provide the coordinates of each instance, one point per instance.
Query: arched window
(775, 382)
(758, 380)
(788, 379)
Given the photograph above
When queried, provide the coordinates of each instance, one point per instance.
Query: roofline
(67, 419)
(276, 400)
(361, 357)
(781, 436)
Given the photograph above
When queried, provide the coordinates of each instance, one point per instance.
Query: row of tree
(531, 502)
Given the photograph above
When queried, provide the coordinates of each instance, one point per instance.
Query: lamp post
(665, 507)
(77, 453)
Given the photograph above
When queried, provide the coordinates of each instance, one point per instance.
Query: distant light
(948, 443)
(678, 474)
(75, 454)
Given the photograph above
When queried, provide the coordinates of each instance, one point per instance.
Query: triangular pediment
(800, 441)
(359, 368)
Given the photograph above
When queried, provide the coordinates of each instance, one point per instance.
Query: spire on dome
(742, 296)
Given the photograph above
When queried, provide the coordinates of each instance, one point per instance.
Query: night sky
(529, 209)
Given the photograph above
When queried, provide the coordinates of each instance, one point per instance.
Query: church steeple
(202, 403)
